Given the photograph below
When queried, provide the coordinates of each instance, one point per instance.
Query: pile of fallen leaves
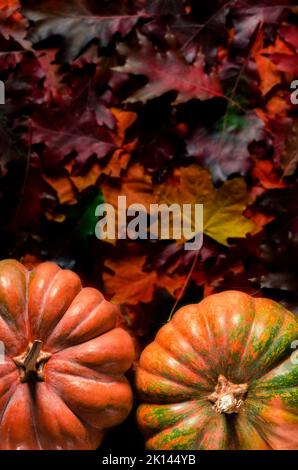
(162, 101)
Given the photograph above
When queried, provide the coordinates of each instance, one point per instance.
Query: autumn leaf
(71, 183)
(127, 282)
(286, 60)
(290, 34)
(53, 84)
(289, 158)
(136, 185)
(13, 25)
(270, 76)
(85, 179)
(223, 217)
(189, 185)
(168, 72)
(249, 17)
(224, 149)
(23, 84)
(268, 175)
(79, 22)
(121, 157)
(223, 208)
(64, 189)
(69, 131)
(287, 63)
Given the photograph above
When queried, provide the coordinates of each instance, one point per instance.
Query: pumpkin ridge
(261, 433)
(186, 389)
(279, 388)
(225, 422)
(10, 393)
(284, 319)
(280, 360)
(274, 337)
(30, 385)
(44, 299)
(157, 407)
(74, 330)
(256, 385)
(58, 397)
(207, 377)
(250, 333)
(84, 321)
(7, 402)
(170, 379)
(57, 344)
(207, 326)
(264, 401)
(9, 320)
(117, 378)
(187, 366)
(119, 407)
(199, 314)
(184, 419)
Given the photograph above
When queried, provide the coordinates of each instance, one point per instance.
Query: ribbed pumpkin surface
(62, 383)
(248, 341)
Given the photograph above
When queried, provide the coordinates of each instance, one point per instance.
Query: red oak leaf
(70, 131)
(79, 22)
(168, 72)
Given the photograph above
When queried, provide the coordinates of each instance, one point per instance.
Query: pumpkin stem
(32, 361)
(228, 397)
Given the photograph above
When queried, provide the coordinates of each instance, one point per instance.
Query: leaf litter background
(162, 101)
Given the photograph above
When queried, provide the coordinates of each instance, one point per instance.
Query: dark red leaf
(79, 22)
(225, 148)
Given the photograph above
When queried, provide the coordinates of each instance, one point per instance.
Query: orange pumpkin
(222, 374)
(62, 379)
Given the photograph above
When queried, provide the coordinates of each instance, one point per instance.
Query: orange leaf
(269, 74)
(64, 189)
(127, 282)
(88, 179)
(125, 120)
(267, 174)
(121, 157)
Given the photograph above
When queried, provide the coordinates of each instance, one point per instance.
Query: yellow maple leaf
(223, 208)
(223, 217)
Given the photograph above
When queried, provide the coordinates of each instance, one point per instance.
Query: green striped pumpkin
(222, 374)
